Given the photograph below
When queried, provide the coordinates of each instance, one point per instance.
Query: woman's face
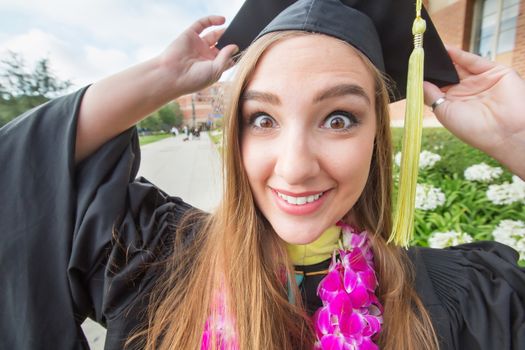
(308, 127)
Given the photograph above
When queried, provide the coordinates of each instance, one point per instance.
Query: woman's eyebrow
(342, 90)
(334, 91)
(261, 97)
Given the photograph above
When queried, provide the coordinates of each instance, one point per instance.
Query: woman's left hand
(192, 62)
(486, 109)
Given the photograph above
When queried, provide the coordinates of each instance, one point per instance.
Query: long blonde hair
(236, 250)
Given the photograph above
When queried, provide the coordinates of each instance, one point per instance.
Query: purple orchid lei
(351, 315)
(220, 327)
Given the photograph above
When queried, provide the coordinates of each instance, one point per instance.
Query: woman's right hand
(117, 102)
(193, 60)
(485, 109)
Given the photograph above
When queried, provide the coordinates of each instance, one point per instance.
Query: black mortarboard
(381, 29)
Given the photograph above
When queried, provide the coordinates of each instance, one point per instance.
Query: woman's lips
(304, 203)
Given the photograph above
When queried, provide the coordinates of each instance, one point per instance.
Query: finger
(214, 51)
(211, 38)
(206, 22)
(468, 61)
(462, 72)
(224, 60)
(431, 93)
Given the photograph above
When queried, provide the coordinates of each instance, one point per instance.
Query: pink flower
(322, 318)
(351, 315)
(219, 327)
(330, 285)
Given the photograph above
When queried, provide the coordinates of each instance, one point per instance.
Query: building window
(495, 27)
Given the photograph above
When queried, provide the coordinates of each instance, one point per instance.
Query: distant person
(196, 133)
(187, 133)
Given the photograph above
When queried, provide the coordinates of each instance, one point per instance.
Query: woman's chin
(299, 234)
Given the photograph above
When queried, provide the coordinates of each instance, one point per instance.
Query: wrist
(166, 87)
(512, 155)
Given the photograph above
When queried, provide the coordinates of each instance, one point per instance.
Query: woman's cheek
(255, 159)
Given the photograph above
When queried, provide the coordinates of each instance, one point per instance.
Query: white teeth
(300, 200)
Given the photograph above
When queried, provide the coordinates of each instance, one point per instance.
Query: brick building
(491, 28)
(202, 108)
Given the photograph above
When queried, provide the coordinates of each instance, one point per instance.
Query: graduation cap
(390, 34)
(380, 29)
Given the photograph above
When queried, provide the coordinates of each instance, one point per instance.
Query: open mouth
(300, 200)
(305, 203)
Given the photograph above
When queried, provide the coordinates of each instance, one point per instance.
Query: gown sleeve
(76, 241)
(475, 294)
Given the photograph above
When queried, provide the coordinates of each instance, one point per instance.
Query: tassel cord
(405, 205)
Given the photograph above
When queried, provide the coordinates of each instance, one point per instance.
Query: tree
(151, 123)
(22, 89)
(162, 120)
(179, 118)
(166, 117)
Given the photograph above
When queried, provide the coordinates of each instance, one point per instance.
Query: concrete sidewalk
(190, 170)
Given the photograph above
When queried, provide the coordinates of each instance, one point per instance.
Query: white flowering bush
(507, 193)
(397, 159)
(456, 200)
(519, 187)
(426, 159)
(429, 197)
(511, 233)
(449, 238)
(482, 173)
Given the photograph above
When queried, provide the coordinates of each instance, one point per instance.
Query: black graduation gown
(60, 261)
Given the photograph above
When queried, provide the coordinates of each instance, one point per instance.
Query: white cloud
(221, 7)
(32, 44)
(137, 22)
(80, 64)
(35, 45)
(86, 40)
(105, 62)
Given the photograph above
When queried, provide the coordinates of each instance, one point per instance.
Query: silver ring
(437, 103)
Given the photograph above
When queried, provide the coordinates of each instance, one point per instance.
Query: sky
(86, 40)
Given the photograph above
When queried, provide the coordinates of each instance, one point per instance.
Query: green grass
(216, 139)
(144, 140)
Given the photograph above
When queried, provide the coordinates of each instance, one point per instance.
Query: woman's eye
(262, 121)
(339, 121)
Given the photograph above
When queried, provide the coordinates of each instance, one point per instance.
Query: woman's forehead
(310, 61)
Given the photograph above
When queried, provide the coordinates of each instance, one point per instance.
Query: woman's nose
(297, 159)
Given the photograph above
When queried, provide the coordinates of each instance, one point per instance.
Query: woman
(307, 145)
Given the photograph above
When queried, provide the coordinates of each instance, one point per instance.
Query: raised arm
(114, 104)
(486, 109)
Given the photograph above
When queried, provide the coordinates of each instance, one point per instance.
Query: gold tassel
(404, 215)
